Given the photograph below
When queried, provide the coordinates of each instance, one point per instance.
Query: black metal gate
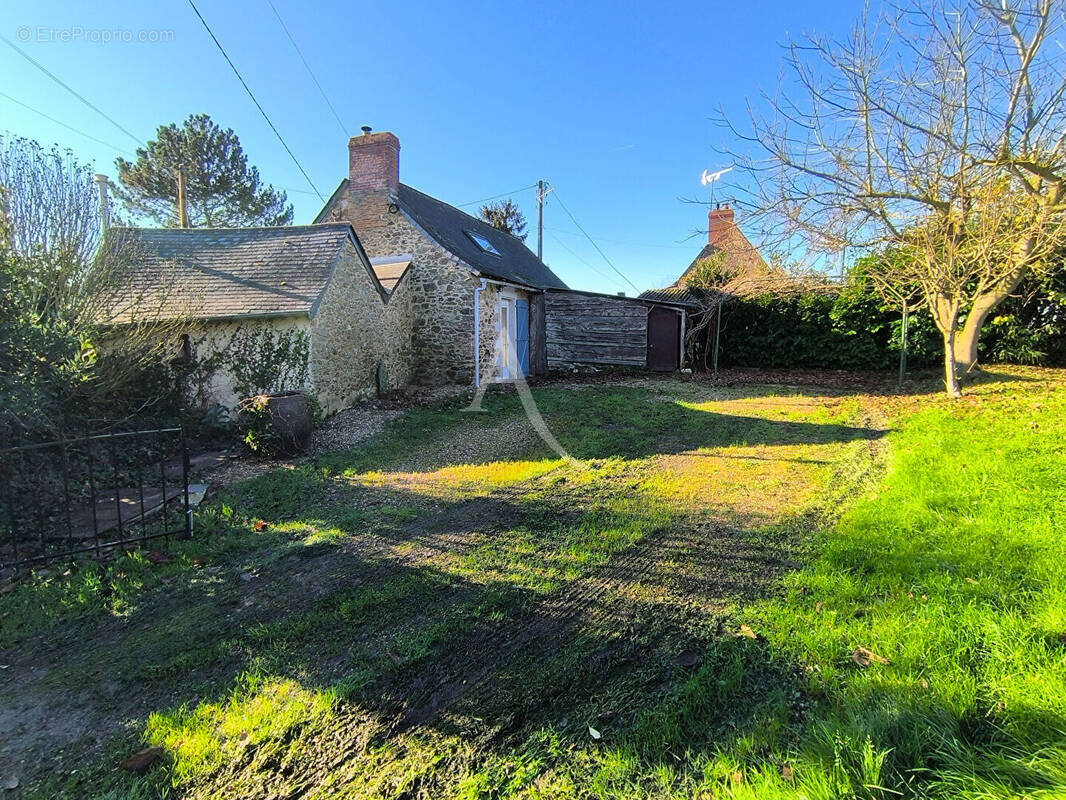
(93, 494)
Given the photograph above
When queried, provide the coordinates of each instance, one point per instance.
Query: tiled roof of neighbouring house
(452, 229)
(671, 294)
(215, 273)
(739, 257)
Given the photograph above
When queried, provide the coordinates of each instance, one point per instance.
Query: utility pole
(540, 220)
(183, 203)
(105, 206)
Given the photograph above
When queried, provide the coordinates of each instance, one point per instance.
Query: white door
(505, 337)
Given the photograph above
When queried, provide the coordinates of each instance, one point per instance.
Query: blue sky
(609, 102)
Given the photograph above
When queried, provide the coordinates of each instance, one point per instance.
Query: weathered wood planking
(538, 352)
(589, 329)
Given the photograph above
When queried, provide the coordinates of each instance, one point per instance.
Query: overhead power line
(498, 196)
(307, 66)
(576, 255)
(62, 124)
(51, 75)
(244, 83)
(592, 242)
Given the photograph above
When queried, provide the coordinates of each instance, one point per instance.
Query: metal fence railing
(93, 494)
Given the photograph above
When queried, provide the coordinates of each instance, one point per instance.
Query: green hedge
(854, 330)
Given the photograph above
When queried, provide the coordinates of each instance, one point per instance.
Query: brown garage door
(664, 339)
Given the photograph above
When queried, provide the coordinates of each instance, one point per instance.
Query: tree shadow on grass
(590, 424)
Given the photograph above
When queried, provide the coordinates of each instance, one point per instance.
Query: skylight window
(482, 242)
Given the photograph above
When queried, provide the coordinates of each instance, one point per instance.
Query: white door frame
(507, 353)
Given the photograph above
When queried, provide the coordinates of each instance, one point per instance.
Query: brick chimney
(373, 163)
(719, 222)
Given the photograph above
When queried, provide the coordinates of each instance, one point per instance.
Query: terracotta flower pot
(291, 418)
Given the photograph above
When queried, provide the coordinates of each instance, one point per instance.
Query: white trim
(507, 357)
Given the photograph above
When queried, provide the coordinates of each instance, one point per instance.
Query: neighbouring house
(390, 287)
(727, 250)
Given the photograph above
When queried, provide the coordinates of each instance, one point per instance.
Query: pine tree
(505, 216)
(222, 189)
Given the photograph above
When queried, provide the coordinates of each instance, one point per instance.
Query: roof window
(483, 243)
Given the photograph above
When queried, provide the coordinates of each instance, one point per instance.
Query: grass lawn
(749, 591)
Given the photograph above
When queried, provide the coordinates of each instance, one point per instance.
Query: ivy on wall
(260, 359)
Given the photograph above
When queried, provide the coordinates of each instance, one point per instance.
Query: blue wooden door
(522, 334)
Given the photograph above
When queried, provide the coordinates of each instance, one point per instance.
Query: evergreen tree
(222, 189)
(505, 216)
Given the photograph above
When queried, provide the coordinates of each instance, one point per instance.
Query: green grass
(257, 658)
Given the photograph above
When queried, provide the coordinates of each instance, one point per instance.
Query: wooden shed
(592, 329)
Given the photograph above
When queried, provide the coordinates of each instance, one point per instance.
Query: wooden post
(717, 334)
(903, 345)
(183, 204)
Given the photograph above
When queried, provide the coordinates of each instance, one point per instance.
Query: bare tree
(939, 127)
(76, 326)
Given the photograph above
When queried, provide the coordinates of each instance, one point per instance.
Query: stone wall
(211, 339)
(354, 330)
(442, 291)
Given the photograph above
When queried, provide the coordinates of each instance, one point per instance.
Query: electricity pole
(183, 202)
(540, 220)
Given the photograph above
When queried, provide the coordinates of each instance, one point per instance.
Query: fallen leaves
(747, 632)
(863, 656)
(140, 761)
(595, 734)
(158, 557)
(260, 525)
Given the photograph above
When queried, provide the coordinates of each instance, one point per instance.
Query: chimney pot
(366, 130)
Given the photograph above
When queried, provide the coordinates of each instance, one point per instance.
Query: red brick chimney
(719, 222)
(373, 163)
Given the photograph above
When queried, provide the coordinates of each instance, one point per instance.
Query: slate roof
(219, 273)
(447, 225)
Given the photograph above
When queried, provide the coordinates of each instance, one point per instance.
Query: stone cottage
(390, 287)
(474, 288)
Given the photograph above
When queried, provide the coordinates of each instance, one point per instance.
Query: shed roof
(216, 273)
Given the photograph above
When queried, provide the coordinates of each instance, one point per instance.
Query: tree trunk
(946, 314)
(984, 304)
(966, 339)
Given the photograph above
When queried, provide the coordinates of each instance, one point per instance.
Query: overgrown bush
(64, 366)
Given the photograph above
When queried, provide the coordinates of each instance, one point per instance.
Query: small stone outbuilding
(312, 283)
